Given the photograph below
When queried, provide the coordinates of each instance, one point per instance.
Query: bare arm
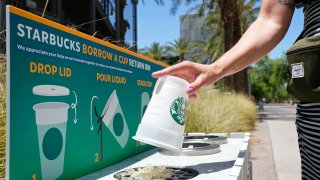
(260, 38)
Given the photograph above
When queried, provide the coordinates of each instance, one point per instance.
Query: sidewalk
(275, 152)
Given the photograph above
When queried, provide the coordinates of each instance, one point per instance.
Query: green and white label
(178, 110)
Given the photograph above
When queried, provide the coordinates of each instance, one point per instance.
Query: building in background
(112, 20)
(191, 29)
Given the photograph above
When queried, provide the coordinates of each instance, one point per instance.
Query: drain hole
(194, 145)
(201, 137)
(156, 172)
(206, 138)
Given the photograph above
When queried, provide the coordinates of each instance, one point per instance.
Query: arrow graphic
(74, 106)
(91, 125)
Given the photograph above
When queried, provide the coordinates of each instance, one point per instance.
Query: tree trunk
(181, 57)
(228, 9)
(240, 79)
(232, 33)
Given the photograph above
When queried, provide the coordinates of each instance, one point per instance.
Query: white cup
(164, 119)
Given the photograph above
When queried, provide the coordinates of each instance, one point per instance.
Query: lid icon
(50, 90)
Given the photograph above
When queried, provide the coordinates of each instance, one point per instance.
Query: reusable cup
(163, 122)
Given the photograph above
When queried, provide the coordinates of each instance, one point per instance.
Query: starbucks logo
(178, 110)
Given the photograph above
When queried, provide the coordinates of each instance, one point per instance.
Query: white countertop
(220, 166)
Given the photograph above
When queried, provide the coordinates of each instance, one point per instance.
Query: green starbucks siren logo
(178, 110)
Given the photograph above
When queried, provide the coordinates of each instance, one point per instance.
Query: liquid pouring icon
(113, 117)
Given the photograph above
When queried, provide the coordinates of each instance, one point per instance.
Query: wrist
(217, 70)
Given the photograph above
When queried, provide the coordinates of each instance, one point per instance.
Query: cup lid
(50, 90)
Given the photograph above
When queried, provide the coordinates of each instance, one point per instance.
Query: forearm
(264, 34)
(261, 37)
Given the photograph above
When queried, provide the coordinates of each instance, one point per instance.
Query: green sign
(74, 101)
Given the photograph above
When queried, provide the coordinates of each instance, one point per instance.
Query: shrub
(214, 111)
(2, 117)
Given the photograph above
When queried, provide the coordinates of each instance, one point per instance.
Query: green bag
(304, 69)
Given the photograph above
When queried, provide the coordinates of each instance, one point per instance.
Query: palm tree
(248, 13)
(245, 14)
(159, 2)
(227, 20)
(155, 51)
(205, 52)
(179, 47)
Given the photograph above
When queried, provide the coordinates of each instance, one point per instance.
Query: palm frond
(159, 2)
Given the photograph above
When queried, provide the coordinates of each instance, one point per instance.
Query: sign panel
(74, 102)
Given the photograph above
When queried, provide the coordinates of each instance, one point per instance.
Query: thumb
(196, 85)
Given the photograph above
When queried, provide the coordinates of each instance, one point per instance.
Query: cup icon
(51, 120)
(114, 119)
(164, 119)
(145, 98)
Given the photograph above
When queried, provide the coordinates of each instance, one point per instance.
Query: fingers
(199, 82)
(190, 90)
(193, 87)
(194, 73)
(171, 70)
(196, 85)
(192, 96)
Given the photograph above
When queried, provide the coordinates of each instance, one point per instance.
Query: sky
(156, 24)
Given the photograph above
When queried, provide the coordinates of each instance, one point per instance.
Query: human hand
(196, 74)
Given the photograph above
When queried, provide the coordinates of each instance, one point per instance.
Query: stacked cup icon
(145, 98)
(51, 120)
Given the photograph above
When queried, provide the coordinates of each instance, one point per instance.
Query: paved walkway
(275, 152)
